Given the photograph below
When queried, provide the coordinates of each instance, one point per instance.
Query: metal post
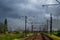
(32, 28)
(51, 23)
(40, 29)
(47, 25)
(25, 23)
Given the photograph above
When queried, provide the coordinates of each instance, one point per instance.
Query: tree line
(3, 27)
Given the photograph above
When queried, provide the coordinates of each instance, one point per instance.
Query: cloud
(15, 9)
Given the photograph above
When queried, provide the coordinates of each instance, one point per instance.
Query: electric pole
(25, 23)
(47, 25)
(51, 23)
(40, 29)
(32, 27)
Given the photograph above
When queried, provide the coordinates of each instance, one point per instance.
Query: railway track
(30, 37)
(46, 37)
(38, 36)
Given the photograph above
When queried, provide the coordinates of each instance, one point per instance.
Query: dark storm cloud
(13, 9)
(55, 10)
(58, 11)
(6, 11)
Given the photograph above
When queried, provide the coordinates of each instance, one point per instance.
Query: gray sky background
(13, 10)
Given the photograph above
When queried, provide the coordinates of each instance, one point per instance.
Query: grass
(18, 36)
(14, 36)
(54, 36)
(29, 34)
(11, 36)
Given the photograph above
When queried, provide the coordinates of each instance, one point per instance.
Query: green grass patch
(11, 36)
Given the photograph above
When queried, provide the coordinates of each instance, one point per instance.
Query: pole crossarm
(58, 1)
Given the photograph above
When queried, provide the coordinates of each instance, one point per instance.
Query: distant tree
(5, 26)
(1, 28)
(5, 22)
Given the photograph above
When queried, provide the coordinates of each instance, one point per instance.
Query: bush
(16, 32)
(58, 34)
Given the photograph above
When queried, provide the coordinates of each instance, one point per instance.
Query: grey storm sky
(14, 9)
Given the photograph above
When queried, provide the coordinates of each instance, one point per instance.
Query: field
(55, 35)
(21, 35)
(11, 36)
(14, 36)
